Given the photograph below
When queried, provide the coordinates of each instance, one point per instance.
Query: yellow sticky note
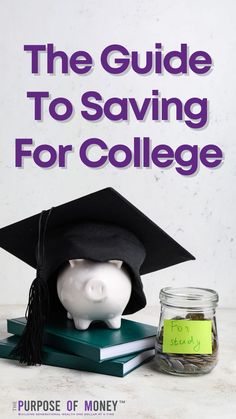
(187, 336)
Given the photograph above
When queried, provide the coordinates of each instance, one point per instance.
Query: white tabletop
(144, 393)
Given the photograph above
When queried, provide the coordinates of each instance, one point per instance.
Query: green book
(50, 356)
(98, 343)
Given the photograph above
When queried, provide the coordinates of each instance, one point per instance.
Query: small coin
(178, 318)
(190, 368)
(195, 316)
(163, 364)
(177, 365)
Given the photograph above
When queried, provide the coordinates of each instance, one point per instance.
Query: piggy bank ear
(117, 263)
(75, 262)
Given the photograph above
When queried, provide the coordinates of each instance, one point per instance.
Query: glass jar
(187, 341)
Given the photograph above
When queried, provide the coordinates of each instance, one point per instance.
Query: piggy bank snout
(95, 290)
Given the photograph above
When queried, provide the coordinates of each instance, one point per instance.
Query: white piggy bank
(94, 291)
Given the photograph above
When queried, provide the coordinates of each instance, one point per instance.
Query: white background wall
(197, 211)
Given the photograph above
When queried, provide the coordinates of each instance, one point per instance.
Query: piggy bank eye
(117, 263)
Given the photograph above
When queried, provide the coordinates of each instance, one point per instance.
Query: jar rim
(189, 297)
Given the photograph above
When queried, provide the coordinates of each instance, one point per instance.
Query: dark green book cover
(118, 367)
(98, 343)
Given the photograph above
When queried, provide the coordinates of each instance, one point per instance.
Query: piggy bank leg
(82, 324)
(114, 323)
(69, 316)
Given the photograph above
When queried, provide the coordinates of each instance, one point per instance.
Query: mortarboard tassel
(28, 349)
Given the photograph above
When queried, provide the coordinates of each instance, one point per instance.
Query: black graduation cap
(100, 226)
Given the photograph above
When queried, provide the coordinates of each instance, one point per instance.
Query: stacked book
(98, 349)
